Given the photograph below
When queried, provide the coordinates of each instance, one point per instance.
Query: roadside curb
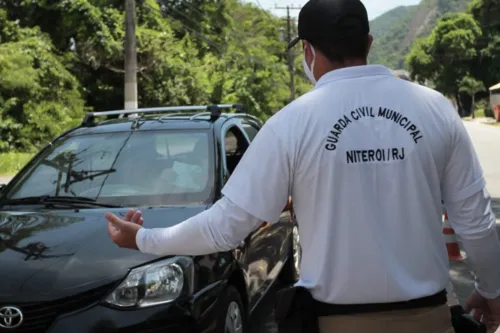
(484, 121)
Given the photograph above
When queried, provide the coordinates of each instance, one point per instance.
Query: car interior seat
(199, 153)
(168, 176)
(142, 158)
(235, 148)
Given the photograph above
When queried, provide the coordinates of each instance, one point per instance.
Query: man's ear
(307, 51)
(370, 41)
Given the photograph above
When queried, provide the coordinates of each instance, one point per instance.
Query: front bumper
(166, 318)
(76, 315)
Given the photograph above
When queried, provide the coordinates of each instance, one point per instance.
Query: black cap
(323, 20)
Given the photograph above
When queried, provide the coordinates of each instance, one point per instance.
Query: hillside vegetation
(396, 30)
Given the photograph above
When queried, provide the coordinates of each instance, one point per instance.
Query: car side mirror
(2, 187)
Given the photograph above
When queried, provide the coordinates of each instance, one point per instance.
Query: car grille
(39, 316)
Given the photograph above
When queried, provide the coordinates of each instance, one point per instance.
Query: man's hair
(352, 45)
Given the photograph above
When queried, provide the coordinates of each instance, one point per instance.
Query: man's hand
(134, 216)
(485, 310)
(123, 232)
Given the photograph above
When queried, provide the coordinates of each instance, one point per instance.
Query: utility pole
(290, 52)
(130, 56)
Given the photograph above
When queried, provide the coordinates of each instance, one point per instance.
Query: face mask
(309, 72)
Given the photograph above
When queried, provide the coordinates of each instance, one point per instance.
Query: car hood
(53, 254)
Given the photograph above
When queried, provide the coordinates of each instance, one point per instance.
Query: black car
(61, 273)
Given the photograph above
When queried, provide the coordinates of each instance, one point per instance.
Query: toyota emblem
(10, 317)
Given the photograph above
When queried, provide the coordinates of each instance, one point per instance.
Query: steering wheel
(115, 191)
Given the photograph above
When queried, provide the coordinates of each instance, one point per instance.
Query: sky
(374, 7)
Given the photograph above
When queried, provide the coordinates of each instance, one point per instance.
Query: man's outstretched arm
(255, 192)
(220, 228)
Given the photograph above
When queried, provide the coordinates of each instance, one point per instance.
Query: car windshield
(127, 168)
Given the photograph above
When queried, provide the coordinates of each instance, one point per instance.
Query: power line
(180, 13)
(194, 8)
(216, 45)
(275, 67)
(265, 11)
(166, 7)
(213, 43)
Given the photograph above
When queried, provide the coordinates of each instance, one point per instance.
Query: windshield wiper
(51, 200)
(76, 200)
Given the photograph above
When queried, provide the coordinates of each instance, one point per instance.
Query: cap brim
(293, 43)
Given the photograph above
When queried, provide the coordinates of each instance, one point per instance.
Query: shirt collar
(353, 72)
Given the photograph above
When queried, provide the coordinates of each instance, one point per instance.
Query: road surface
(486, 140)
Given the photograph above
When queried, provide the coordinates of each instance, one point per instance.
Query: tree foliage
(471, 86)
(461, 57)
(39, 96)
(61, 58)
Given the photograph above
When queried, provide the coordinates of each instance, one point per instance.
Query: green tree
(460, 48)
(447, 55)
(487, 66)
(471, 87)
(39, 97)
(189, 52)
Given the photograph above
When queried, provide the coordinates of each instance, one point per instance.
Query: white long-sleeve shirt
(475, 224)
(367, 173)
(221, 228)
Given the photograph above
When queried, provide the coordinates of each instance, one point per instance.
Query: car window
(251, 131)
(235, 145)
(174, 144)
(134, 168)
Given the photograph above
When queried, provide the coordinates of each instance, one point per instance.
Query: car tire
(290, 272)
(232, 317)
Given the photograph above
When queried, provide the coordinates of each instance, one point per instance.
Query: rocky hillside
(395, 30)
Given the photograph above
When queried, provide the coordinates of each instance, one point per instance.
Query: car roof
(159, 122)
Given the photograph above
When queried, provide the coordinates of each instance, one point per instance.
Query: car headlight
(156, 283)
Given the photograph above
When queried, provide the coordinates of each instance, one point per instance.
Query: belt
(326, 309)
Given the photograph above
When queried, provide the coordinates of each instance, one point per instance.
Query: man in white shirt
(367, 159)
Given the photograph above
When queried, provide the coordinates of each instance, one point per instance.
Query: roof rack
(201, 114)
(246, 115)
(213, 110)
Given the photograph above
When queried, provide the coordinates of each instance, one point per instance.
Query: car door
(264, 249)
(277, 234)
